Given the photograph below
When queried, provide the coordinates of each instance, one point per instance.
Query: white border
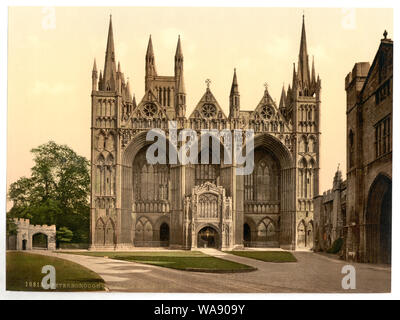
(204, 3)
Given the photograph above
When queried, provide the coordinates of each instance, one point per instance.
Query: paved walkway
(313, 273)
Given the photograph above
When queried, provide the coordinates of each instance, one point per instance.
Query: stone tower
(302, 106)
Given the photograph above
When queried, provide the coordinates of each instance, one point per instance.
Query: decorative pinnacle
(266, 86)
(385, 33)
(208, 82)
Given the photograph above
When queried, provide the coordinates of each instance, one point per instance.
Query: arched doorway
(208, 238)
(246, 234)
(24, 242)
(39, 241)
(301, 234)
(379, 221)
(164, 235)
(310, 235)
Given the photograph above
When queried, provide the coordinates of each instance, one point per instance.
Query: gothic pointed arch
(110, 142)
(275, 146)
(99, 232)
(303, 144)
(378, 218)
(310, 234)
(312, 144)
(143, 232)
(301, 234)
(101, 138)
(110, 235)
(266, 230)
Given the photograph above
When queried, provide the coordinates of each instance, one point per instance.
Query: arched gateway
(208, 237)
(379, 221)
(262, 208)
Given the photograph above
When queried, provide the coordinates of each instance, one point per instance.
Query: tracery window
(267, 112)
(266, 230)
(150, 110)
(150, 181)
(209, 110)
(263, 183)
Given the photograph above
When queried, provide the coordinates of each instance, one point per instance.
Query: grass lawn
(181, 260)
(267, 256)
(24, 273)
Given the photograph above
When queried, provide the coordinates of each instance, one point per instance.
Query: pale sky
(51, 57)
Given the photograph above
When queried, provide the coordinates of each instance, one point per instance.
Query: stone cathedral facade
(134, 203)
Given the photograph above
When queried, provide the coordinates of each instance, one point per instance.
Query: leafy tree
(64, 234)
(11, 227)
(57, 191)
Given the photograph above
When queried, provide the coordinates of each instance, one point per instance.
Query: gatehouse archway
(378, 231)
(208, 238)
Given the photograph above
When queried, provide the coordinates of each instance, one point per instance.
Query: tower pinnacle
(234, 98)
(150, 64)
(303, 68)
(109, 74)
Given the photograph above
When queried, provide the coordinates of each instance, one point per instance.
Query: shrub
(336, 246)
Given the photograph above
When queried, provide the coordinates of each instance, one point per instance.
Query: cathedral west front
(135, 203)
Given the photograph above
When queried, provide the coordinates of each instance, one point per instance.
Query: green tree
(64, 235)
(57, 191)
(11, 227)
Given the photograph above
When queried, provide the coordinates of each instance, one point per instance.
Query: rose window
(150, 110)
(267, 112)
(209, 110)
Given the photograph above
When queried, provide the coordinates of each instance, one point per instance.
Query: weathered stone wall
(369, 104)
(26, 231)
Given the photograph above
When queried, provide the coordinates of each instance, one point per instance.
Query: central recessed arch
(208, 237)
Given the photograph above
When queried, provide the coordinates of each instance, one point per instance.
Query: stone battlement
(20, 222)
(360, 70)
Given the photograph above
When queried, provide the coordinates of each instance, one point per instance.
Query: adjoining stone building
(31, 236)
(367, 218)
(135, 203)
(330, 214)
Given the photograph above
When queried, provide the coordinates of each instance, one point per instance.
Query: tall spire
(178, 52)
(134, 101)
(313, 71)
(150, 52)
(109, 74)
(282, 102)
(178, 60)
(303, 68)
(234, 98)
(128, 91)
(94, 76)
(294, 80)
(181, 83)
(235, 86)
(180, 98)
(94, 65)
(150, 64)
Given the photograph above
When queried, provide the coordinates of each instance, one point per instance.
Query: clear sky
(51, 54)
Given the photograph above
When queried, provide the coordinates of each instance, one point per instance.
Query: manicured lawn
(267, 256)
(24, 273)
(181, 260)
